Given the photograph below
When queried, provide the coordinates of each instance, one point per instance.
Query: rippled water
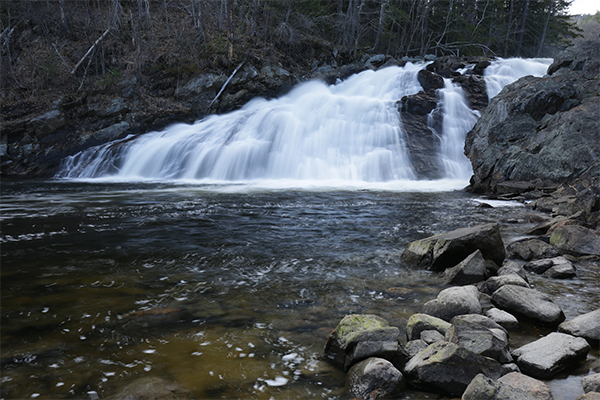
(229, 290)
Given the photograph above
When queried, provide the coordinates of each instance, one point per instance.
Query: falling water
(505, 71)
(346, 134)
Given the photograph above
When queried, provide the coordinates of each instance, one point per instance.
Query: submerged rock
(155, 389)
(360, 336)
(444, 250)
(551, 354)
(373, 374)
(529, 303)
(448, 368)
(586, 326)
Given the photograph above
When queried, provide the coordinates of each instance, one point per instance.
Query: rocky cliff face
(544, 131)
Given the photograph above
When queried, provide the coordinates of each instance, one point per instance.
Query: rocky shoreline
(459, 344)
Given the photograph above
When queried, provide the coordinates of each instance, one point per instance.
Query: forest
(72, 43)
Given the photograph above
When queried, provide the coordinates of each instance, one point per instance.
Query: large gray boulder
(372, 374)
(542, 130)
(360, 336)
(502, 318)
(531, 249)
(529, 303)
(484, 388)
(557, 267)
(454, 301)
(448, 368)
(551, 354)
(438, 252)
(470, 270)
(576, 240)
(489, 342)
(586, 326)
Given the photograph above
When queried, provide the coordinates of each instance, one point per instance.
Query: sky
(584, 7)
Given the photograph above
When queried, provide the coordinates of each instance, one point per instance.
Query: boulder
(432, 337)
(414, 347)
(496, 282)
(541, 129)
(531, 249)
(529, 303)
(551, 354)
(586, 326)
(470, 270)
(430, 80)
(418, 323)
(454, 301)
(511, 267)
(441, 251)
(484, 388)
(591, 383)
(448, 368)
(48, 123)
(557, 267)
(589, 396)
(537, 388)
(576, 240)
(479, 319)
(480, 339)
(501, 317)
(372, 374)
(153, 388)
(360, 336)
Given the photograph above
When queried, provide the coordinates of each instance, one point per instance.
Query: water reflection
(229, 294)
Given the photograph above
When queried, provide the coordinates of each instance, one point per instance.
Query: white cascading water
(505, 71)
(346, 134)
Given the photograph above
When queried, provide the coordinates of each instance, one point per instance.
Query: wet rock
(502, 318)
(116, 107)
(448, 368)
(557, 268)
(471, 270)
(438, 252)
(551, 354)
(576, 240)
(529, 303)
(48, 123)
(418, 323)
(155, 389)
(589, 396)
(112, 132)
(511, 267)
(586, 326)
(430, 80)
(372, 374)
(414, 347)
(454, 301)
(480, 339)
(484, 388)
(496, 282)
(360, 336)
(591, 383)
(538, 389)
(531, 249)
(474, 89)
(543, 129)
(375, 61)
(479, 319)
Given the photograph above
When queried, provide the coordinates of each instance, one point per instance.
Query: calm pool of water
(232, 293)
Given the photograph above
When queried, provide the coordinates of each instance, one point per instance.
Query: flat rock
(586, 326)
(484, 388)
(529, 303)
(496, 282)
(444, 250)
(501, 317)
(537, 388)
(418, 323)
(448, 368)
(470, 270)
(372, 374)
(591, 383)
(576, 240)
(551, 354)
(454, 301)
(531, 249)
(360, 336)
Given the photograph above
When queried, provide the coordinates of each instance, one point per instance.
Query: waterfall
(347, 133)
(458, 119)
(505, 71)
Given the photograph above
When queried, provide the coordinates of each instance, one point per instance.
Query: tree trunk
(545, 28)
(522, 31)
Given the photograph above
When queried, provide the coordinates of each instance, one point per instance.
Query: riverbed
(231, 290)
